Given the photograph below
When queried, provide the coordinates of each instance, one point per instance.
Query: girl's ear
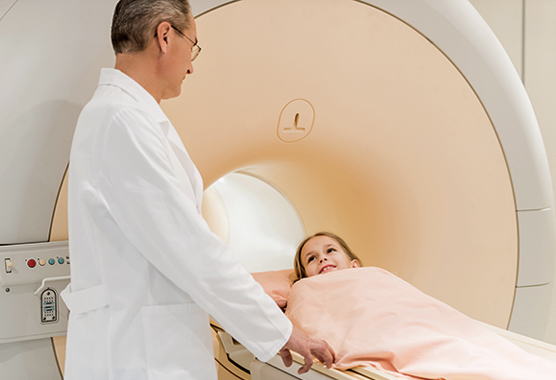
(355, 264)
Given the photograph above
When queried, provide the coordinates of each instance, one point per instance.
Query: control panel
(32, 276)
(28, 262)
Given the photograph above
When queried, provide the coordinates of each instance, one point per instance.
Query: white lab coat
(146, 271)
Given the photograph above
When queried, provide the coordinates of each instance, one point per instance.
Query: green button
(51, 261)
(61, 260)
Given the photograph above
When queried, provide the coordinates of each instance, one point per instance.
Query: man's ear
(162, 34)
(355, 264)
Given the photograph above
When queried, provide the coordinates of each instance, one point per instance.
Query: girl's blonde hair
(298, 264)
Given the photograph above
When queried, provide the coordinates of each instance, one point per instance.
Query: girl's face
(322, 254)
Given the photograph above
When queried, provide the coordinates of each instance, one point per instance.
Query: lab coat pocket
(178, 342)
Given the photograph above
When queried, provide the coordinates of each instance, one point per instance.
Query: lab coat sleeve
(147, 202)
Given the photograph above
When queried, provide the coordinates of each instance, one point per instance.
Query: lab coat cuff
(83, 301)
(279, 344)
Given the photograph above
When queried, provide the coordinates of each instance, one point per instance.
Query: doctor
(146, 270)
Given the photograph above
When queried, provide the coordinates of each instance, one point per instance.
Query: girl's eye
(310, 259)
(330, 250)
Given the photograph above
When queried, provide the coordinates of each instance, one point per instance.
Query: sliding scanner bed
(235, 361)
(275, 369)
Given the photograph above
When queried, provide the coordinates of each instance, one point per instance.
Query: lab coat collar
(117, 78)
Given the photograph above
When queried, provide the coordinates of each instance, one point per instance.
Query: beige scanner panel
(401, 158)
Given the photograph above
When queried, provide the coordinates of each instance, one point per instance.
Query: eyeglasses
(195, 50)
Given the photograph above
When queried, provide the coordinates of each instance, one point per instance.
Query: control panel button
(31, 263)
(60, 260)
(9, 265)
(42, 262)
(51, 261)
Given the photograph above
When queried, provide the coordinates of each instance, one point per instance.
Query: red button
(31, 263)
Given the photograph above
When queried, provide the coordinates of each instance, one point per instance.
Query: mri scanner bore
(422, 138)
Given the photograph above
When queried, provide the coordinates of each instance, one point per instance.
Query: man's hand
(307, 347)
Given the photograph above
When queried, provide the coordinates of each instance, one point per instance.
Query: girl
(373, 318)
(321, 253)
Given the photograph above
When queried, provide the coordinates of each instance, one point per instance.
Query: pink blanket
(372, 318)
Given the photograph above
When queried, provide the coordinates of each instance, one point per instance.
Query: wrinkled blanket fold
(372, 318)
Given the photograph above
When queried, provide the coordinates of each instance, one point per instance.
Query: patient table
(234, 361)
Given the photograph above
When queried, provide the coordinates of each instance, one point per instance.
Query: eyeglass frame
(195, 49)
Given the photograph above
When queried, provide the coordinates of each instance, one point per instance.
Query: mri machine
(400, 125)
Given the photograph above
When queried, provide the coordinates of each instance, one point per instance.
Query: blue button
(51, 261)
(61, 260)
